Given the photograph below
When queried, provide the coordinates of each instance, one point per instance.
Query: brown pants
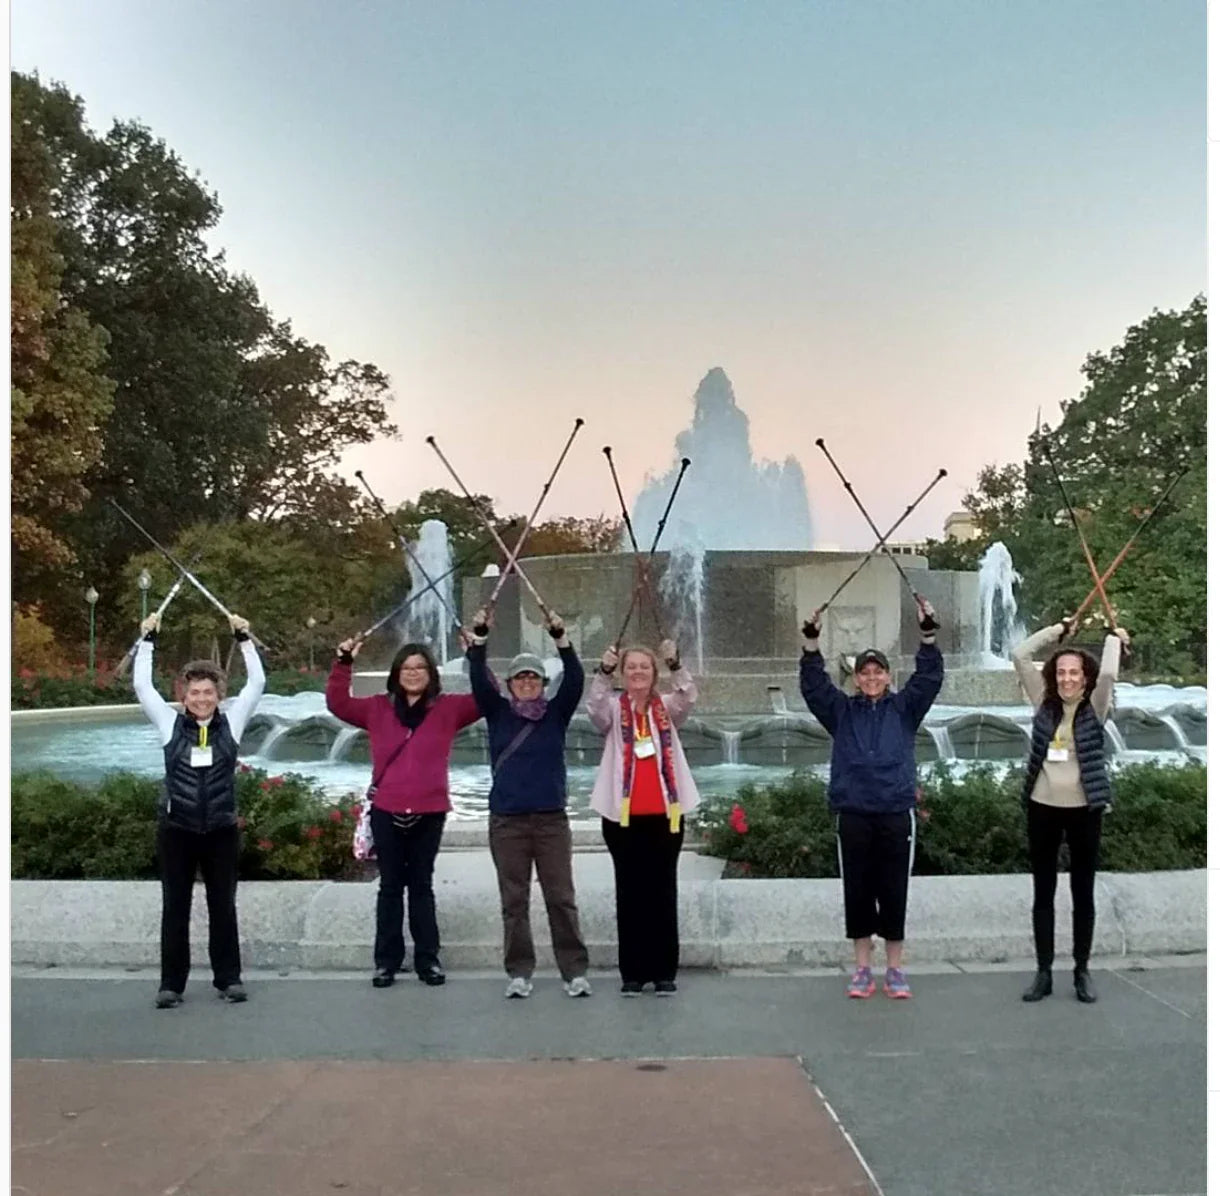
(519, 842)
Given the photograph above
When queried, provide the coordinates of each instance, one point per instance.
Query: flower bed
(969, 822)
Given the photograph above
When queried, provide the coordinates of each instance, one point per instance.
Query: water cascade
(682, 587)
(428, 619)
(999, 629)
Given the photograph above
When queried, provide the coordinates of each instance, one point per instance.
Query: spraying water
(683, 589)
(428, 617)
(731, 501)
(999, 629)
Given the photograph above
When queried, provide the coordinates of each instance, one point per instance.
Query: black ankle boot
(1041, 987)
(1083, 983)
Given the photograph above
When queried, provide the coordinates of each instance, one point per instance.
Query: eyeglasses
(413, 668)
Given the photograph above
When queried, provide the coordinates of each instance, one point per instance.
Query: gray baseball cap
(526, 662)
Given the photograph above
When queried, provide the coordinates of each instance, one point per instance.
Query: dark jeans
(180, 854)
(645, 856)
(1048, 827)
(405, 859)
(875, 855)
(519, 843)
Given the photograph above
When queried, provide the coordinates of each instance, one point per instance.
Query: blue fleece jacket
(872, 763)
(534, 778)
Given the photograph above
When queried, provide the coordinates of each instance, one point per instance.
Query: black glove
(240, 637)
(481, 630)
(810, 630)
(345, 657)
(928, 623)
(674, 664)
(556, 633)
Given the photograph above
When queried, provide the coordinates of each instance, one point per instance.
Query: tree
(1140, 418)
(568, 534)
(60, 396)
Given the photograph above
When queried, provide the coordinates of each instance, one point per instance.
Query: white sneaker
(578, 986)
(519, 988)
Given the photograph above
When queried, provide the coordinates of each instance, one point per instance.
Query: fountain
(428, 620)
(683, 588)
(999, 629)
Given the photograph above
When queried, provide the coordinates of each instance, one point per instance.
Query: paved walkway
(321, 1084)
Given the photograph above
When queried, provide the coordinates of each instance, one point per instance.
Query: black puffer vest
(200, 799)
(1090, 741)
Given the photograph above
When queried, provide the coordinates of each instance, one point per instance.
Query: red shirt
(647, 791)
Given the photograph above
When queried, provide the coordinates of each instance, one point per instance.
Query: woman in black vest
(1067, 788)
(197, 828)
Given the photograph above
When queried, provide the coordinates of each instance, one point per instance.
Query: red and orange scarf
(659, 718)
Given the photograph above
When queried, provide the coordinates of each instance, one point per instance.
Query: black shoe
(1083, 983)
(433, 975)
(1040, 988)
(631, 988)
(233, 993)
(168, 999)
(666, 988)
(383, 978)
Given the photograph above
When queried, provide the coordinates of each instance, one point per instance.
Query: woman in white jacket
(643, 790)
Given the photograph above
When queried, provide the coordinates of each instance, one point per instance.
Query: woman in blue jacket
(529, 826)
(872, 789)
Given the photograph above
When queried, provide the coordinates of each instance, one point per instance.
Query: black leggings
(1048, 827)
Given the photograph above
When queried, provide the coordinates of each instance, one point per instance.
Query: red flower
(244, 768)
(737, 819)
(924, 815)
(355, 810)
(336, 815)
(276, 781)
(265, 786)
(265, 845)
(241, 823)
(745, 869)
(313, 832)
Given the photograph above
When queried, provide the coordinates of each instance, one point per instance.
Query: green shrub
(971, 823)
(61, 830)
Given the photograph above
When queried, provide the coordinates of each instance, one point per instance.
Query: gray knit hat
(526, 662)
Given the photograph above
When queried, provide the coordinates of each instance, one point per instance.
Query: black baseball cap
(872, 656)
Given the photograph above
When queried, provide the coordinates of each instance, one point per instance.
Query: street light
(144, 581)
(91, 597)
(311, 623)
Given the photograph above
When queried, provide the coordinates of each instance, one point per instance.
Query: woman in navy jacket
(872, 789)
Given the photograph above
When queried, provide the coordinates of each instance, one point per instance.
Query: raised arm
(487, 697)
(1028, 672)
(681, 700)
(567, 697)
(339, 700)
(1107, 674)
(239, 710)
(601, 703)
(824, 698)
(924, 683)
(156, 709)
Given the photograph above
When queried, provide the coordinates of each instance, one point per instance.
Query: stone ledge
(724, 923)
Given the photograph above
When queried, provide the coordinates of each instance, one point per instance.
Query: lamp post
(144, 581)
(311, 623)
(91, 597)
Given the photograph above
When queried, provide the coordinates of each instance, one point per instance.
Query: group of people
(643, 792)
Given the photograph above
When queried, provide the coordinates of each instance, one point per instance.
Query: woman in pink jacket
(411, 730)
(643, 790)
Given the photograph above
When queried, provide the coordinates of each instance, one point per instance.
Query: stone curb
(321, 925)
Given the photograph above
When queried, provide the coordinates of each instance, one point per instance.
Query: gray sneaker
(578, 986)
(168, 999)
(519, 988)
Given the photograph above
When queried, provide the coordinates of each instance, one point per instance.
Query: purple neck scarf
(533, 709)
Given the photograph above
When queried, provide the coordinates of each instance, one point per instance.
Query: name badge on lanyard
(201, 756)
(1058, 755)
(645, 748)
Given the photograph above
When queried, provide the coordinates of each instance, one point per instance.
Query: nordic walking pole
(652, 551)
(884, 547)
(1118, 560)
(892, 529)
(643, 582)
(1098, 584)
(406, 602)
(478, 510)
(406, 547)
(177, 564)
(490, 604)
(121, 667)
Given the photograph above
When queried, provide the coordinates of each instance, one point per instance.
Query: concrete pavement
(322, 1084)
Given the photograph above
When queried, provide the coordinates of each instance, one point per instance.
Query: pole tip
(944, 473)
(430, 440)
(360, 473)
(820, 442)
(579, 422)
(685, 462)
(606, 450)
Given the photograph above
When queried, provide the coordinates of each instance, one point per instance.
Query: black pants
(875, 856)
(645, 855)
(180, 854)
(406, 855)
(1048, 827)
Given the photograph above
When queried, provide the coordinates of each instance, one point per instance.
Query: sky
(898, 226)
